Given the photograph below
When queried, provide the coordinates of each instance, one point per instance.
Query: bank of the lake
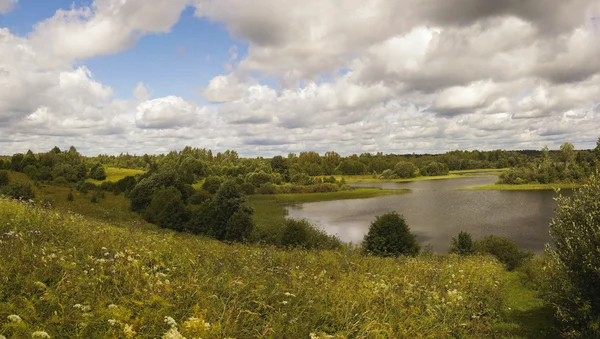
(451, 175)
(522, 187)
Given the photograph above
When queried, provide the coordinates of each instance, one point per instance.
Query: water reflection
(436, 211)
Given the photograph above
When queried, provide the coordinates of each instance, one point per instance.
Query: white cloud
(7, 5)
(141, 92)
(168, 112)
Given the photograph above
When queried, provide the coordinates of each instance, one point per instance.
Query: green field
(115, 174)
(523, 187)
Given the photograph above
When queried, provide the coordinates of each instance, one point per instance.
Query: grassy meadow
(71, 276)
(115, 174)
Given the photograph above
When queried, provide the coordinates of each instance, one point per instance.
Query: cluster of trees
(57, 166)
(15, 189)
(566, 165)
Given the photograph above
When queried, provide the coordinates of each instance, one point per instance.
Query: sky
(269, 77)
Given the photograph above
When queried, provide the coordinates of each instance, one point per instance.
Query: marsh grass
(72, 276)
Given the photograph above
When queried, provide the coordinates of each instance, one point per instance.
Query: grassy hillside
(74, 277)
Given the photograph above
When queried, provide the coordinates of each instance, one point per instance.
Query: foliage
(199, 197)
(212, 184)
(3, 178)
(574, 263)
(141, 195)
(462, 245)
(229, 205)
(303, 234)
(18, 189)
(117, 280)
(97, 172)
(405, 169)
(167, 209)
(504, 249)
(389, 236)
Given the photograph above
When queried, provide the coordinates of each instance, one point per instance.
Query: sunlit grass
(75, 277)
(115, 174)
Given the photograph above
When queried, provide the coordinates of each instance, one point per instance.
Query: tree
(18, 190)
(597, 151)
(405, 169)
(567, 153)
(141, 194)
(574, 264)
(97, 172)
(279, 164)
(390, 236)
(462, 245)
(228, 202)
(167, 209)
(504, 249)
(212, 184)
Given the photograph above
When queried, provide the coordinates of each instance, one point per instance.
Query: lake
(436, 211)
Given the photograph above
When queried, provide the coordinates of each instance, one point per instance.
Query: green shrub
(167, 209)
(574, 263)
(389, 236)
(97, 172)
(248, 188)
(504, 249)
(3, 178)
(303, 234)
(199, 197)
(462, 245)
(18, 190)
(70, 196)
(267, 188)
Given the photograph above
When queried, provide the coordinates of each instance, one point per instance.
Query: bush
(228, 208)
(167, 209)
(248, 188)
(70, 196)
(267, 188)
(574, 263)
(389, 236)
(303, 234)
(3, 178)
(504, 249)
(18, 190)
(199, 197)
(405, 169)
(97, 172)
(462, 245)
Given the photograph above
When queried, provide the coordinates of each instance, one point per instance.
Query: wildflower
(284, 302)
(40, 335)
(14, 318)
(128, 331)
(170, 321)
(112, 322)
(77, 306)
(111, 306)
(288, 294)
(173, 333)
(2, 337)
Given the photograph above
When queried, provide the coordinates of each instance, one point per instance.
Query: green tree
(228, 202)
(18, 190)
(279, 164)
(167, 209)
(212, 184)
(504, 249)
(406, 169)
(567, 153)
(462, 245)
(574, 267)
(97, 172)
(390, 236)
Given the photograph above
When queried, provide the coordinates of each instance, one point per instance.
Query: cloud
(167, 112)
(141, 92)
(7, 5)
(106, 27)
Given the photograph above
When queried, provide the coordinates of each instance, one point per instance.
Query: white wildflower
(170, 321)
(111, 306)
(2, 337)
(113, 322)
(77, 306)
(173, 333)
(40, 335)
(14, 318)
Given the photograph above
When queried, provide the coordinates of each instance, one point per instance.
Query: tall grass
(75, 277)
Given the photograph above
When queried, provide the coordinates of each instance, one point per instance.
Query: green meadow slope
(71, 276)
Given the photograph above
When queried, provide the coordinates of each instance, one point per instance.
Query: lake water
(436, 211)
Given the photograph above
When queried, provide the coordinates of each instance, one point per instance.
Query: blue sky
(352, 76)
(176, 63)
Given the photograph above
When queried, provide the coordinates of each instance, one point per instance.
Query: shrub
(405, 169)
(462, 245)
(268, 188)
(389, 236)
(70, 196)
(18, 190)
(97, 172)
(574, 263)
(3, 178)
(248, 188)
(227, 208)
(303, 234)
(199, 197)
(504, 249)
(167, 209)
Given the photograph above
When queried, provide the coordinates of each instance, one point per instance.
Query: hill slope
(73, 277)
